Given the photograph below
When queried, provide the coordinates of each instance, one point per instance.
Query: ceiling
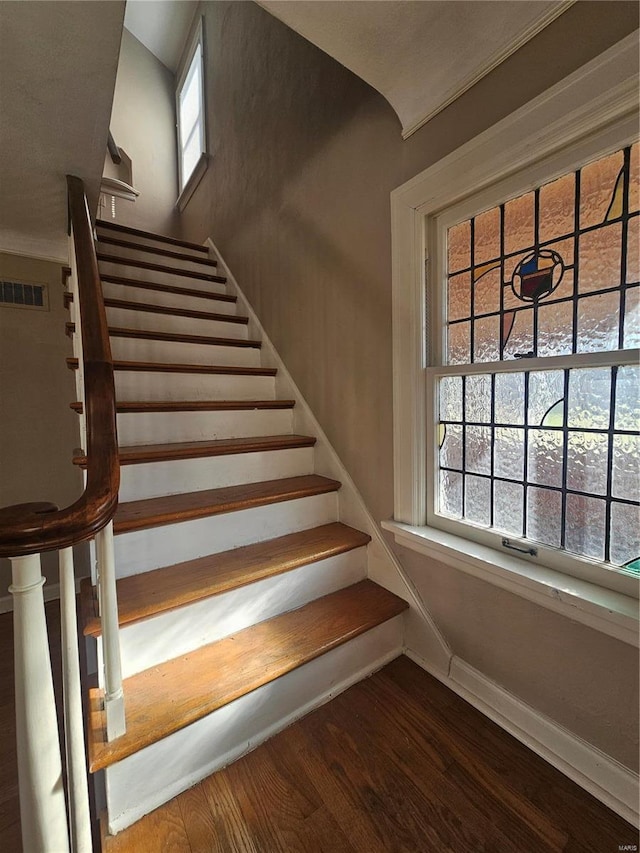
(419, 55)
(58, 65)
(162, 26)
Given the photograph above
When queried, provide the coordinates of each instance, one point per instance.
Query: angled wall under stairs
(245, 600)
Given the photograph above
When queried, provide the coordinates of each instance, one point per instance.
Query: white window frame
(187, 184)
(593, 110)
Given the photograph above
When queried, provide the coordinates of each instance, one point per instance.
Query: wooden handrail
(35, 527)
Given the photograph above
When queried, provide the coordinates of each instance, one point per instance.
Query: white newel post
(42, 803)
(77, 785)
(113, 695)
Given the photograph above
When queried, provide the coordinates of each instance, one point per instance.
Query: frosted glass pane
(518, 223)
(628, 398)
(598, 322)
(545, 457)
(458, 343)
(626, 467)
(486, 339)
(190, 156)
(587, 459)
(584, 531)
(459, 297)
(507, 507)
(486, 292)
(521, 338)
(478, 398)
(459, 246)
(487, 236)
(555, 326)
(509, 398)
(450, 494)
(477, 501)
(633, 251)
(634, 175)
(545, 389)
(557, 208)
(564, 289)
(190, 97)
(625, 533)
(600, 252)
(509, 453)
(632, 318)
(451, 398)
(478, 449)
(597, 184)
(589, 398)
(451, 450)
(544, 514)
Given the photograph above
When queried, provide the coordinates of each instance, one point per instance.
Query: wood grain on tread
(200, 449)
(146, 265)
(125, 229)
(168, 697)
(177, 367)
(126, 406)
(170, 509)
(205, 340)
(170, 288)
(147, 594)
(166, 253)
(149, 308)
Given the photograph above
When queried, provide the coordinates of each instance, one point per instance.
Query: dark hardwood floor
(396, 763)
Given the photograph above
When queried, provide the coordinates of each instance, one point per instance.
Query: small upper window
(190, 111)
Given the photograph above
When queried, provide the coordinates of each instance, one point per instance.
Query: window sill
(602, 609)
(194, 179)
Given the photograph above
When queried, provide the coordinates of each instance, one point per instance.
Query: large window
(534, 383)
(190, 111)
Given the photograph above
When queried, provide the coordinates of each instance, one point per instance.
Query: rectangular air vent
(23, 294)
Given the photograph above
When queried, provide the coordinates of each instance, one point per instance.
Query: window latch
(507, 543)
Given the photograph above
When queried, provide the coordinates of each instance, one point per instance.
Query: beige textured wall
(38, 430)
(143, 124)
(297, 198)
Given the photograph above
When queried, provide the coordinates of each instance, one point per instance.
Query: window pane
(508, 507)
(478, 449)
(626, 467)
(519, 223)
(587, 458)
(628, 398)
(625, 529)
(477, 500)
(557, 208)
(190, 96)
(585, 526)
(451, 398)
(509, 402)
(450, 494)
(190, 156)
(486, 241)
(459, 246)
(598, 182)
(589, 398)
(544, 515)
(478, 399)
(545, 463)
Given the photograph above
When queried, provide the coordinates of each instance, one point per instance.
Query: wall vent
(23, 294)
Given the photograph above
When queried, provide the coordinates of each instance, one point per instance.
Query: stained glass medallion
(549, 455)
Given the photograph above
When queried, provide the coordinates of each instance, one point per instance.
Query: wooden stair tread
(147, 334)
(194, 405)
(200, 449)
(125, 229)
(170, 288)
(170, 509)
(156, 250)
(144, 595)
(177, 367)
(150, 308)
(170, 696)
(147, 265)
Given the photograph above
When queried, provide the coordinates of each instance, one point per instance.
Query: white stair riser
(143, 550)
(156, 774)
(142, 274)
(151, 642)
(148, 241)
(150, 321)
(155, 479)
(152, 258)
(112, 290)
(140, 385)
(179, 352)
(163, 427)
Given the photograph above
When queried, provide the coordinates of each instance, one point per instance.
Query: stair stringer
(422, 636)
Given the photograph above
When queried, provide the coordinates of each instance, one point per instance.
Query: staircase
(243, 599)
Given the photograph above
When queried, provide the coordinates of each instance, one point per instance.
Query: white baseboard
(606, 779)
(383, 566)
(51, 592)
